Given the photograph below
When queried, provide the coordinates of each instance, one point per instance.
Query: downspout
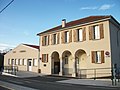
(39, 71)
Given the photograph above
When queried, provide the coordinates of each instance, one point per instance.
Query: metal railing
(10, 69)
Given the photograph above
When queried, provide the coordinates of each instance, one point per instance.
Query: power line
(6, 6)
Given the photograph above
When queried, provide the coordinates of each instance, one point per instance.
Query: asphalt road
(48, 83)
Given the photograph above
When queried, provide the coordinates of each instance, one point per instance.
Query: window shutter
(52, 39)
(102, 57)
(101, 31)
(48, 40)
(93, 56)
(47, 57)
(43, 41)
(84, 34)
(90, 32)
(63, 37)
(42, 57)
(70, 36)
(75, 35)
(58, 38)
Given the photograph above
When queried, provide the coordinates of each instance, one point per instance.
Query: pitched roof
(33, 46)
(77, 22)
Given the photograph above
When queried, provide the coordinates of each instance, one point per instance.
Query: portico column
(61, 67)
(73, 74)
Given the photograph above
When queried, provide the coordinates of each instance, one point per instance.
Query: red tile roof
(77, 22)
(33, 46)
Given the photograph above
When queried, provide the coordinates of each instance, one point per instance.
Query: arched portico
(80, 61)
(55, 63)
(67, 68)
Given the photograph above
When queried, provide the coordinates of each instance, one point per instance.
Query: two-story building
(81, 47)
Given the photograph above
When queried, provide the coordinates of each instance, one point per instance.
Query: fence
(94, 73)
(11, 69)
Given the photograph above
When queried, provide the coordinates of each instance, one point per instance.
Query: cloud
(88, 8)
(5, 46)
(106, 6)
(102, 7)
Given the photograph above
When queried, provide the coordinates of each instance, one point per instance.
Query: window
(97, 56)
(34, 62)
(23, 62)
(18, 61)
(44, 58)
(80, 34)
(45, 37)
(66, 37)
(12, 62)
(54, 39)
(8, 61)
(96, 32)
(45, 40)
(15, 61)
(66, 59)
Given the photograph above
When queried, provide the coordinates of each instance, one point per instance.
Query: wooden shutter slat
(101, 31)
(84, 34)
(70, 36)
(102, 57)
(93, 56)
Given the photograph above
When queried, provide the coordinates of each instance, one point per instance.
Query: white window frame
(96, 32)
(66, 36)
(80, 35)
(20, 61)
(98, 57)
(16, 61)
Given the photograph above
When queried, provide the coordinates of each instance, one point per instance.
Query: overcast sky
(23, 19)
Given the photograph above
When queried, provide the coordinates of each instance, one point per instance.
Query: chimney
(63, 22)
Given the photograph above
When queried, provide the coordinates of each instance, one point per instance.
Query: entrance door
(29, 65)
(56, 67)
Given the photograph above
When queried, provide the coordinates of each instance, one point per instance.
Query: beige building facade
(24, 56)
(80, 47)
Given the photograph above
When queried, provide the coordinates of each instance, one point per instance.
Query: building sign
(107, 54)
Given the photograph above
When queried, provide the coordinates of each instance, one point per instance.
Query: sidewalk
(23, 74)
(98, 82)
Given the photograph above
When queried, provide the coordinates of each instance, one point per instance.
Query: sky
(22, 20)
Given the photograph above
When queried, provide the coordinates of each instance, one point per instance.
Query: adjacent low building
(24, 56)
(88, 47)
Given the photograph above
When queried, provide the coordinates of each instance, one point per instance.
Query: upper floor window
(45, 40)
(96, 32)
(80, 34)
(97, 56)
(44, 58)
(54, 39)
(66, 37)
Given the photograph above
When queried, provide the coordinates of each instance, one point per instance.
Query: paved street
(44, 83)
